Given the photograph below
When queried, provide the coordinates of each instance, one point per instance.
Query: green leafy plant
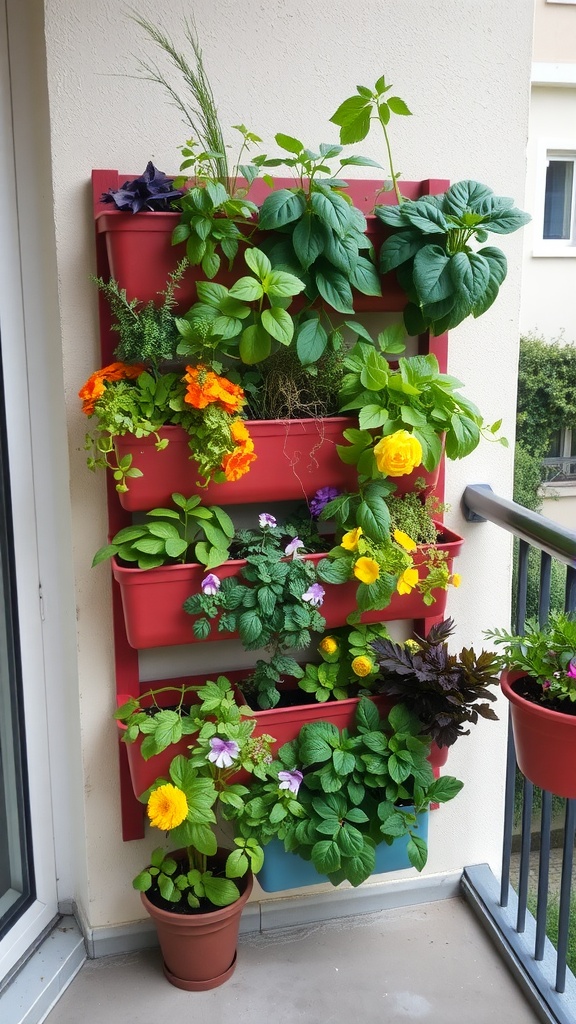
(545, 653)
(442, 689)
(335, 795)
(445, 279)
(415, 398)
(272, 604)
(356, 114)
(187, 805)
(242, 321)
(347, 665)
(191, 532)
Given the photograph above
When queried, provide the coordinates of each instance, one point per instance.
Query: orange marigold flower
(237, 463)
(95, 387)
(204, 387)
(239, 432)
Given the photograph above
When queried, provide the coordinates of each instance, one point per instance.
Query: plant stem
(399, 198)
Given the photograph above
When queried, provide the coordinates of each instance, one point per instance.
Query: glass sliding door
(16, 868)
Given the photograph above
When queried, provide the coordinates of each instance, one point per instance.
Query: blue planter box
(283, 870)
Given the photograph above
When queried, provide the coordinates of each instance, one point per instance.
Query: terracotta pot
(199, 950)
(152, 599)
(283, 870)
(545, 741)
(295, 459)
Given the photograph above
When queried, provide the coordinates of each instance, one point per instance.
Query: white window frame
(553, 149)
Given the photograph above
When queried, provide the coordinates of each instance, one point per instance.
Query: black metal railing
(540, 967)
(559, 468)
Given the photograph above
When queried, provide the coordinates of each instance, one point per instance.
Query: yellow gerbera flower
(366, 570)
(350, 539)
(167, 807)
(456, 579)
(362, 666)
(404, 540)
(407, 581)
(329, 645)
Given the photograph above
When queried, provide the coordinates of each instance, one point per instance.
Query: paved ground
(428, 963)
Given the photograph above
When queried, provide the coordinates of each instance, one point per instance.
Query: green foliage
(415, 517)
(355, 115)
(416, 397)
(147, 332)
(269, 606)
(194, 533)
(545, 653)
(199, 786)
(442, 689)
(445, 279)
(348, 663)
(348, 792)
(546, 392)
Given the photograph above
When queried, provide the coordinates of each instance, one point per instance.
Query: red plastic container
(294, 459)
(545, 741)
(152, 599)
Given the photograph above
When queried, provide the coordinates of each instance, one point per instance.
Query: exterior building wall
(286, 67)
(560, 504)
(554, 35)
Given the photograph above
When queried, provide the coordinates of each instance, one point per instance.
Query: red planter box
(152, 599)
(141, 255)
(295, 458)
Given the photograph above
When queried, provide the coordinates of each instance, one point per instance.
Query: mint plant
(191, 532)
(334, 795)
(272, 604)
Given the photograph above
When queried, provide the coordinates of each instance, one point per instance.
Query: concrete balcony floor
(430, 963)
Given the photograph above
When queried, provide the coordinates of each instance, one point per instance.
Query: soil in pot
(529, 689)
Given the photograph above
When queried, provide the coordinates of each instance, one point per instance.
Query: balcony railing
(559, 469)
(540, 968)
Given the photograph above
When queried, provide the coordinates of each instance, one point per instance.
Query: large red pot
(199, 950)
(545, 741)
(152, 599)
(294, 459)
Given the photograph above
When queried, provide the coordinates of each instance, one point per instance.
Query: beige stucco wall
(548, 281)
(285, 67)
(554, 31)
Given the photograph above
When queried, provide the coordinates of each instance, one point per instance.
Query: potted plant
(446, 691)
(348, 802)
(539, 681)
(190, 891)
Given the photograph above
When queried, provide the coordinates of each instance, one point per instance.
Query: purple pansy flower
(571, 670)
(223, 753)
(314, 595)
(290, 780)
(293, 547)
(321, 499)
(210, 585)
(264, 519)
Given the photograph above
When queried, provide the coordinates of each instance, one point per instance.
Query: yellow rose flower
(350, 540)
(366, 570)
(398, 454)
(404, 540)
(167, 807)
(456, 579)
(362, 666)
(329, 645)
(407, 581)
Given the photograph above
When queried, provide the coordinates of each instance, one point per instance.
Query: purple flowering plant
(274, 603)
(547, 654)
(200, 788)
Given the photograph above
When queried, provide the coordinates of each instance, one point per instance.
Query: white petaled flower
(210, 585)
(223, 753)
(265, 519)
(314, 595)
(293, 547)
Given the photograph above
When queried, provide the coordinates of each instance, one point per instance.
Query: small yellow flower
(350, 540)
(404, 540)
(362, 666)
(456, 579)
(407, 581)
(167, 807)
(366, 570)
(398, 453)
(329, 645)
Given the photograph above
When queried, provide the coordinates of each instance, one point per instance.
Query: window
(559, 199)
(555, 217)
(560, 463)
